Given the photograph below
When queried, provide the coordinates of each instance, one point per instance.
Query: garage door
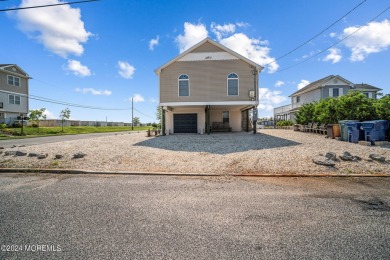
(185, 123)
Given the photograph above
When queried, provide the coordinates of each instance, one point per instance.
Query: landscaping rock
(79, 155)
(349, 157)
(33, 155)
(1, 148)
(19, 153)
(324, 163)
(7, 153)
(377, 158)
(22, 145)
(58, 156)
(42, 156)
(330, 156)
(13, 146)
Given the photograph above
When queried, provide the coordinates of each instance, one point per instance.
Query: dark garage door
(185, 123)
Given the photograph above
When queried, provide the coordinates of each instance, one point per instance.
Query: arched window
(184, 85)
(232, 84)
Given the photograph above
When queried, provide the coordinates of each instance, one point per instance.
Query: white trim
(14, 93)
(20, 82)
(208, 56)
(15, 73)
(330, 92)
(178, 85)
(227, 85)
(213, 103)
(341, 92)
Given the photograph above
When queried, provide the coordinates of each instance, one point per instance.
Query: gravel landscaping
(270, 151)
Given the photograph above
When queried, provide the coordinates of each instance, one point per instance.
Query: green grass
(68, 130)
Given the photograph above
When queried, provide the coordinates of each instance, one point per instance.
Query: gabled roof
(3, 66)
(208, 40)
(317, 84)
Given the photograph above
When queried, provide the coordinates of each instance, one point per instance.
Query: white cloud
(126, 70)
(153, 43)
(268, 99)
(252, 49)
(193, 33)
(137, 98)
(279, 83)
(334, 55)
(303, 84)
(59, 28)
(332, 34)
(152, 100)
(49, 115)
(94, 91)
(78, 69)
(222, 30)
(372, 38)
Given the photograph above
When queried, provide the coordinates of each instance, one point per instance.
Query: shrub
(17, 125)
(34, 125)
(382, 107)
(2, 126)
(284, 123)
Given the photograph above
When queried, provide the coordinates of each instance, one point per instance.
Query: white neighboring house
(330, 86)
(13, 93)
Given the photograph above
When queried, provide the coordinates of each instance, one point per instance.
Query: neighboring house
(330, 86)
(208, 85)
(13, 93)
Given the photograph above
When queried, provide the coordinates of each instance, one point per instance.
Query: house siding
(325, 89)
(208, 47)
(208, 81)
(307, 97)
(23, 89)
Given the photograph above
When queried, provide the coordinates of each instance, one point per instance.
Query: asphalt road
(149, 217)
(53, 139)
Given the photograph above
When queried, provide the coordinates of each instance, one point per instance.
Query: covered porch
(207, 118)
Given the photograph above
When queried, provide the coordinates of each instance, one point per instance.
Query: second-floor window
(184, 86)
(232, 84)
(335, 92)
(14, 81)
(14, 99)
(298, 99)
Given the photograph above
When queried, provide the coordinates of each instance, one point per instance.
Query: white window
(14, 81)
(232, 84)
(184, 85)
(335, 92)
(14, 99)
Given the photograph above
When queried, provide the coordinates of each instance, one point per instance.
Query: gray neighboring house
(13, 93)
(208, 85)
(330, 86)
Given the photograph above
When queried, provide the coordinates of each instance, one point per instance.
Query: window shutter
(330, 92)
(370, 94)
(341, 91)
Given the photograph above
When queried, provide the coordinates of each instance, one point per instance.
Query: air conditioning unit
(1, 105)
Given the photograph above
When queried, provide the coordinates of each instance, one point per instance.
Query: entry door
(185, 123)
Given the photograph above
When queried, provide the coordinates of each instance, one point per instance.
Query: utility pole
(132, 117)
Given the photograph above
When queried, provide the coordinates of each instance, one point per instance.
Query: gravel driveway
(270, 151)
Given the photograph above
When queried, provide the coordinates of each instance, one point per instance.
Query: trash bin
(344, 129)
(333, 130)
(355, 133)
(375, 130)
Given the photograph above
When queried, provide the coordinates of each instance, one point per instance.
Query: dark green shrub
(17, 125)
(2, 126)
(382, 107)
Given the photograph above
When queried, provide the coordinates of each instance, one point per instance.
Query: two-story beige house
(207, 88)
(330, 86)
(13, 93)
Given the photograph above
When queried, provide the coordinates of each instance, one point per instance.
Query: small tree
(382, 107)
(136, 121)
(305, 114)
(37, 115)
(64, 115)
(356, 106)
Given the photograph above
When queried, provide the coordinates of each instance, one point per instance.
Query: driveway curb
(81, 171)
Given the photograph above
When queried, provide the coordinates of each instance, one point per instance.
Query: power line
(144, 114)
(315, 36)
(40, 6)
(346, 37)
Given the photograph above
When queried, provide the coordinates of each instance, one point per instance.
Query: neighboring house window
(232, 84)
(335, 92)
(14, 99)
(368, 94)
(184, 86)
(298, 99)
(14, 81)
(225, 117)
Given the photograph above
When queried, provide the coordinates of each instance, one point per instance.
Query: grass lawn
(68, 130)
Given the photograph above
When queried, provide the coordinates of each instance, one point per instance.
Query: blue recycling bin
(375, 130)
(355, 133)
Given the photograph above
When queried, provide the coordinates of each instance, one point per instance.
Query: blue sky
(103, 53)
